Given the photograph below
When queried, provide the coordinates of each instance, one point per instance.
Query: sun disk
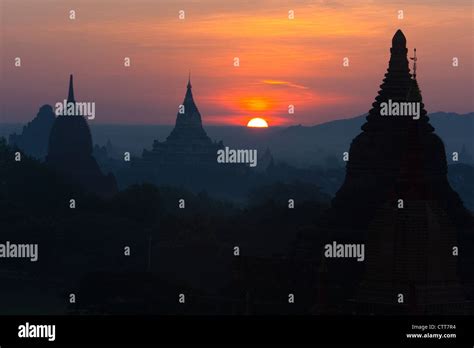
(257, 122)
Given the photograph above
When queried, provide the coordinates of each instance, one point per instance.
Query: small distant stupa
(70, 152)
(35, 135)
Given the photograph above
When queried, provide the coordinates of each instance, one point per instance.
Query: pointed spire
(189, 80)
(398, 52)
(70, 97)
(398, 85)
(189, 95)
(188, 123)
(190, 109)
(399, 39)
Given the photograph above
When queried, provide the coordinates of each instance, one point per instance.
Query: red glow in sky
(282, 61)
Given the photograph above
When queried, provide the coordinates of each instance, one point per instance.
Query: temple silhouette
(70, 152)
(397, 200)
(188, 142)
(187, 158)
(34, 138)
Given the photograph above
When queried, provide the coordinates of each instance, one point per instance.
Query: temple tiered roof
(399, 158)
(188, 128)
(398, 86)
(188, 141)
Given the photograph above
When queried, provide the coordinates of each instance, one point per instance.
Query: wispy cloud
(283, 84)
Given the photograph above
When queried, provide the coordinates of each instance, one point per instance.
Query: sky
(282, 61)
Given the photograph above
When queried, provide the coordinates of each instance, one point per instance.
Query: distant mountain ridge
(298, 145)
(316, 145)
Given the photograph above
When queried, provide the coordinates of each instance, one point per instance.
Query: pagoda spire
(399, 40)
(189, 80)
(188, 98)
(188, 121)
(398, 64)
(70, 97)
(399, 85)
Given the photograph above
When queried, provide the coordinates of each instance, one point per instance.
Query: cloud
(283, 83)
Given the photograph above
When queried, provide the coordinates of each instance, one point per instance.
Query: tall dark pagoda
(70, 152)
(396, 200)
(377, 156)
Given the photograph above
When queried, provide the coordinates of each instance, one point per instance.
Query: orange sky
(282, 61)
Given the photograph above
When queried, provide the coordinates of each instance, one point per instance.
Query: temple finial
(414, 63)
(189, 80)
(70, 96)
(399, 39)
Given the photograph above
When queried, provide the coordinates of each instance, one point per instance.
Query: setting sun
(258, 123)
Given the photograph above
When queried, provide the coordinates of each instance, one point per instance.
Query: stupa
(70, 152)
(378, 154)
(396, 199)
